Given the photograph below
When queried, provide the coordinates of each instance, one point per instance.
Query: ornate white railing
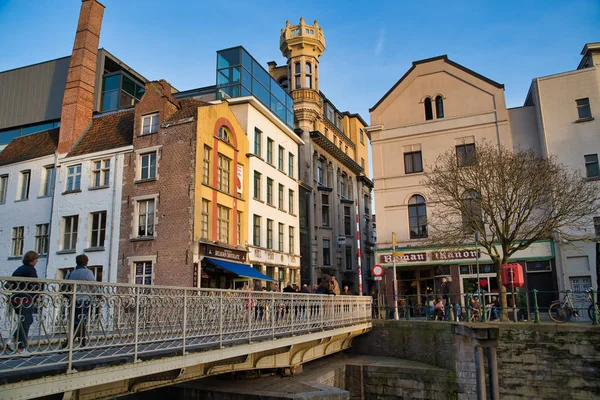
(128, 323)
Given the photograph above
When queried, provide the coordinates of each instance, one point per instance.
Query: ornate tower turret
(302, 45)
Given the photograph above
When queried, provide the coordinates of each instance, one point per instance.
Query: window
(223, 224)
(291, 239)
(428, 109)
(206, 166)
(347, 221)
(269, 234)
(281, 152)
(291, 201)
(270, 191)
(223, 174)
(320, 171)
(290, 165)
(348, 258)
(297, 77)
(150, 124)
(439, 107)
(362, 163)
(308, 75)
(145, 214)
(269, 150)
(329, 113)
(281, 200)
(3, 188)
(257, 142)
(326, 252)
(465, 154)
(25, 180)
(98, 232)
(325, 209)
(205, 219)
(48, 184)
(583, 108)
(597, 227)
(17, 241)
(238, 231)
(143, 273)
(413, 162)
(280, 247)
(148, 169)
(417, 215)
(350, 189)
(74, 177)
(224, 134)
(100, 173)
(538, 266)
(471, 213)
(256, 230)
(591, 166)
(41, 238)
(70, 224)
(362, 137)
(257, 178)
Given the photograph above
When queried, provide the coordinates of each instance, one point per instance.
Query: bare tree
(512, 198)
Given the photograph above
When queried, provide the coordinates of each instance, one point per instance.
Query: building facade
(334, 188)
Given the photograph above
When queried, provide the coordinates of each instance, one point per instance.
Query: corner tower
(302, 45)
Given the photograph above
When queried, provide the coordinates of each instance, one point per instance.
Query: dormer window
(224, 134)
(150, 124)
(439, 107)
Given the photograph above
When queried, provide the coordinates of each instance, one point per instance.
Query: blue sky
(370, 44)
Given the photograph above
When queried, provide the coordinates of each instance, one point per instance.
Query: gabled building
(335, 190)
(27, 168)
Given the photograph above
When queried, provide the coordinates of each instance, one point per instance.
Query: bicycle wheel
(591, 311)
(558, 312)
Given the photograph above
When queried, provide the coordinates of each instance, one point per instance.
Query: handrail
(88, 322)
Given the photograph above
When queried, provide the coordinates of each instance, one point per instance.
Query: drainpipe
(51, 213)
(112, 218)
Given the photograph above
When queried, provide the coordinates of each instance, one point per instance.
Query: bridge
(133, 338)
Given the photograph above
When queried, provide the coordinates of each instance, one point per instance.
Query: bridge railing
(77, 323)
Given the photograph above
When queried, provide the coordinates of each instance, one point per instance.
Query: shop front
(419, 272)
(225, 268)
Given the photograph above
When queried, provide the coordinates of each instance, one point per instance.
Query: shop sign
(195, 276)
(407, 257)
(228, 254)
(341, 240)
(240, 179)
(462, 254)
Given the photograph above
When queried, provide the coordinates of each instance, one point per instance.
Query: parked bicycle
(563, 310)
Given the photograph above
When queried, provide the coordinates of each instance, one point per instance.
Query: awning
(239, 269)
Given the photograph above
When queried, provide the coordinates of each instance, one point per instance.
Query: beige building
(335, 191)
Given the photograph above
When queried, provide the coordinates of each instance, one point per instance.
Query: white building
(273, 223)
(87, 198)
(26, 188)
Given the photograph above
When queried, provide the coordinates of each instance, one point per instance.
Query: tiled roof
(187, 109)
(29, 147)
(106, 132)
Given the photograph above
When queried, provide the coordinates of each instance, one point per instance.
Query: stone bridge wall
(548, 361)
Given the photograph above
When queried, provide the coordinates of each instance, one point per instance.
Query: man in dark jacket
(24, 302)
(82, 302)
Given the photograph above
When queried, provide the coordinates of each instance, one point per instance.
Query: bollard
(595, 309)
(483, 311)
(407, 309)
(536, 309)
(469, 297)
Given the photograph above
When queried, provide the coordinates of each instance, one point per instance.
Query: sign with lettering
(240, 179)
(221, 252)
(462, 254)
(407, 257)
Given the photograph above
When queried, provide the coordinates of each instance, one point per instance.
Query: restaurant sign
(443, 255)
(438, 255)
(221, 252)
(407, 257)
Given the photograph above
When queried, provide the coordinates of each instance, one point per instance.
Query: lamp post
(394, 281)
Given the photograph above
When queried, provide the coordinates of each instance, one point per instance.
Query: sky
(369, 44)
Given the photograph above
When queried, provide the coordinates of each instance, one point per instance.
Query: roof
(187, 108)
(106, 132)
(427, 60)
(30, 147)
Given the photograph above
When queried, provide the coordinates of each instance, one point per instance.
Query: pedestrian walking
(23, 300)
(82, 301)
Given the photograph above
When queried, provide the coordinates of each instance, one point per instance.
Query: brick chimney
(78, 101)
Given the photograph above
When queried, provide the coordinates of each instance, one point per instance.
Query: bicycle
(563, 310)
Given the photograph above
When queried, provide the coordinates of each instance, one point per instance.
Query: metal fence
(75, 323)
(534, 306)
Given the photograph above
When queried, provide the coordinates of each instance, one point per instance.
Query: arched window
(428, 110)
(224, 134)
(417, 217)
(439, 107)
(471, 211)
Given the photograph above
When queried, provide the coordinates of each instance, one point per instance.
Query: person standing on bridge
(23, 302)
(82, 302)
